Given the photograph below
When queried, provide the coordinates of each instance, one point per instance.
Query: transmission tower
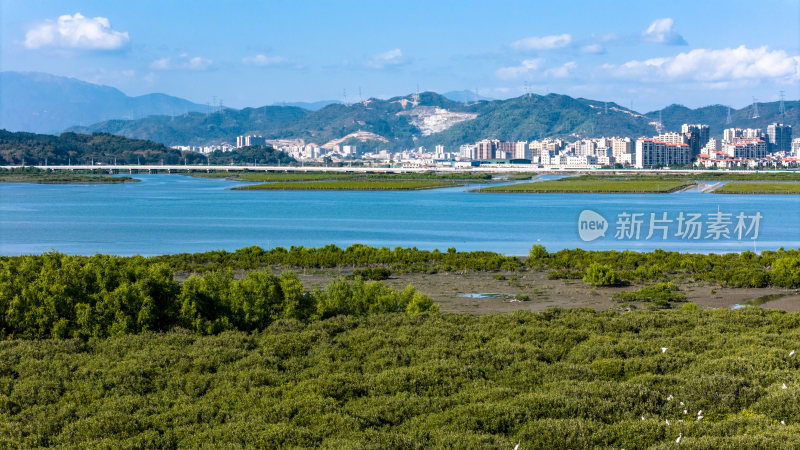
(605, 108)
(728, 120)
(659, 124)
(782, 108)
(755, 109)
(344, 96)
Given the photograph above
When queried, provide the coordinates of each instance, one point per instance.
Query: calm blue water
(169, 213)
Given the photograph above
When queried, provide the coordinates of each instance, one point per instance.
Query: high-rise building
(731, 134)
(621, 146)
(779, 137)
(697, 136)
(485, 149)
(657, 153)
(521, 150)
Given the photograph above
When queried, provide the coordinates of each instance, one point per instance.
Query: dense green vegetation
(660, 294)
(250, 156)
(107, 351)
(60, 296)
(558, 379)
(777, 268)
(758, 188)
(747, 269)
(75, 149)
(36, 149)
(597, 184)
(34, 175)
(346, 185)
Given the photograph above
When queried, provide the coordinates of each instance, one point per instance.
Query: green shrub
(660, 294)
(602, 275)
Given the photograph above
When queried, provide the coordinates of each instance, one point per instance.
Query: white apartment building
(745, 148)
(654, 152)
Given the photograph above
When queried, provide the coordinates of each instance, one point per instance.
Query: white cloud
(387, 59)
(661, 31)
(160, 64)
(562, 71)
(708, 65)
(263, 60)
(76, 32)
(525, 67)
(592, 49)
(543, 42)
(182, 62)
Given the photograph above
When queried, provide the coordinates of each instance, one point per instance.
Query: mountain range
(43, 103)
(424, 119)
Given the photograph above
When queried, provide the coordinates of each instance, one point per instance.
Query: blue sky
(247, 53)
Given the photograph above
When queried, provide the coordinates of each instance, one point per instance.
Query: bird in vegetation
(678, 441)
(699, 417)
(699, 412)
(516, 447)
(783, 423)
(783, 386)
(791, 353)
(670, 397)
(667, 420)
(642, 417)
(663, 349)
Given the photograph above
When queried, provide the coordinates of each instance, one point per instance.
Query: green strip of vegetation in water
(347, 185)
(39, 176)
(759, 188)
(356, 176)
(597, 184)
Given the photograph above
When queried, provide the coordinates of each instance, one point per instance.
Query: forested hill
(407, 122)
(36, 149)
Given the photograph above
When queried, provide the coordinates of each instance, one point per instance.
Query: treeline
(747, 269)
(61, 296)
(556, 379)
(36, 149)
(399, 259)
(250, 155)
(71, 148)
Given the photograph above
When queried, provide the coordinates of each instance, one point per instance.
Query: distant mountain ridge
(400, 121)
(424, 119)
(44, 103)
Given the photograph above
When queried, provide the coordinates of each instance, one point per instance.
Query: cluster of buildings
(749, 147)
(752, 147)
(205, 149)
(738, 147)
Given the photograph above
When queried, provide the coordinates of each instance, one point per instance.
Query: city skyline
(644, 56)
